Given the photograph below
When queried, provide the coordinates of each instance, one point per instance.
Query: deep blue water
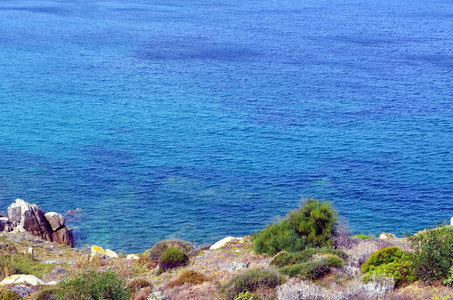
(200, 119)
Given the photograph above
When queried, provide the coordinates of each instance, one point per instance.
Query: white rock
(133, 256)
(222, 242)
(56, 220)
(53, 282)
(21, 278)
(386, 236)
(111, 253)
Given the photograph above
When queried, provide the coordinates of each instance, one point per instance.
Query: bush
(245, 296)
(383, 256)
(7, 266)
(362, 236)
(160, 247)
(312, 225)
(278, 237)
(137, 284)
(172, 258)
(47, 294)
(314, 269)
(315, 220)
(433, 255)
(188, 276)
(9, 295)
(250, 281)
(95, 286)
(286, 259)
(401, 270)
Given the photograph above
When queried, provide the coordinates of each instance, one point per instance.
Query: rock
(21, 278)
(386, 236)
(30, 217)
(97, 251)
(49, 226)
(31, 252)
(133, 256)
(55, 220)
(63, 236)
(5, 224)
(223, 242)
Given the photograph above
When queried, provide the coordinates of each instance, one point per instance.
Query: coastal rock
(55, 220)
(223, 242)
(63, 236)
(21, 278)
(386, 236)
(31, 217)
(5, 224)
(24, 216)
(133, 256)
(97, 251)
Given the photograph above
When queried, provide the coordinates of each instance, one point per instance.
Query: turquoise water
(201, 119)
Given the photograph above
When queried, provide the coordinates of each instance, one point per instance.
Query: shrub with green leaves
(94, 286)
(380, 257)
(433, 255)
(278, 237)
(402, 270)
(250, 281)
(285, 258)
(314, 269)
(245, 296)
(172, 258)
(160, 247)
(362, 236)
(48, 294)
(310, 226)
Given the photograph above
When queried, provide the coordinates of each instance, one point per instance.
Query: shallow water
(197, 119)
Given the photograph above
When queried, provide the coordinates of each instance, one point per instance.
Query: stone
(55, 220)
(386, 236)
(97, 251)
(21, 278)
(223, 242)
(31, 218)
(31, 252)
(63, 236)
(133, 256)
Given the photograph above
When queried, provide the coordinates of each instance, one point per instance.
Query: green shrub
(402, 270)
(94, 286)
(312, 226)
(48, 294)
(9, 295)
(383, 256)
(160, 247)
(172, 258)
(315, 220)
(362, 236)
(433, 255)
(7, 266)
(245, 296)
(286, 259)
(188, 276)
(278, 237)
(249, 281)
(314, 269)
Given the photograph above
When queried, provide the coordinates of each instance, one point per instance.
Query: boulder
(21, 278)
(386, 236)
(24, 216)
(63, 236)
(5, 224)
(31, 218)
(223, 242)
(97, 251)
(133, 256)
(55, 220)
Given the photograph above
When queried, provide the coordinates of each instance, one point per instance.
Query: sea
(200, 119)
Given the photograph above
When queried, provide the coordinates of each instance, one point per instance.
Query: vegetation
(7, 266)
(250, 281)
(159, 248)
(172, 258)
(310, 226)
(314, 269)
(95, 286)
(245, 296)
(362, 236)
(433, 255)
(188, 276)
(383, 256)
(401, 270)
(285, 258)
(9, 295)
(47, 294)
